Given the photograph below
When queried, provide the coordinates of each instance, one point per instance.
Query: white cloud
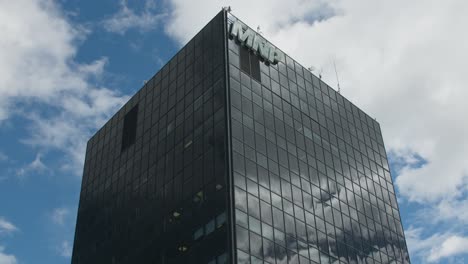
(62, 230)
(437, 246)
(59, 215)
(419, 246)
(126, 18)
(453, 212)
(5, 258)
(452, 246)
(456, 209)
(188, 17)
(65, 249)
(36, 166)
(6, 227)
(41, 81)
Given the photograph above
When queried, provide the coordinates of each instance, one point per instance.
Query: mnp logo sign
(255, 42)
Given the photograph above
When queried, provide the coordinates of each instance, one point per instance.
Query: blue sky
(66, 66)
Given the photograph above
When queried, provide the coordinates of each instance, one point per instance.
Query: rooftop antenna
(227, 8)
(337, 79)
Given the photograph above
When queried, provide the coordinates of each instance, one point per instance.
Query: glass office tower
(235, 153)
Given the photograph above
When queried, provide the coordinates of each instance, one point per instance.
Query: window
(129, 128)
(245, 60)
(250, 63)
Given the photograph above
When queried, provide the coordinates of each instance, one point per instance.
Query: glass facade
(311, 177)
(224, 158)
(154, 185)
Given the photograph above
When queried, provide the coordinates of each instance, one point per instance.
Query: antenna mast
(337, 79)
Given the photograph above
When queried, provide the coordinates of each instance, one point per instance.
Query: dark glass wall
(309, 180)
(154, 184)
(311, 177)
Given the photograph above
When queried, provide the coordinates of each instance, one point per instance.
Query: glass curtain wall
(311, 177)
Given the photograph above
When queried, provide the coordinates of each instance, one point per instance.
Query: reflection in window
(242, 237)
(242, 257)
(313, 165)
(255, 244)
(198, 233)
(209, 227)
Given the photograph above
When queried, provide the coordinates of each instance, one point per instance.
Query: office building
(235, 153)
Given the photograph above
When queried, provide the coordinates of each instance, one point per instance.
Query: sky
(66, 66)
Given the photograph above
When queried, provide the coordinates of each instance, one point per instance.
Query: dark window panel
(129, 128)
(255, 67)
(244, 59)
